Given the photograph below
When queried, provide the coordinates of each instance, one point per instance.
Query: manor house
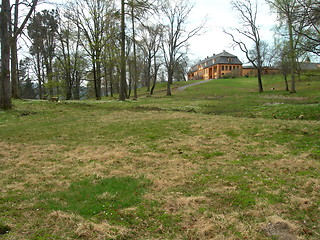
(216, 66)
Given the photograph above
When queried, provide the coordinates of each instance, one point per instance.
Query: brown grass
(32, 168)
(84, 229)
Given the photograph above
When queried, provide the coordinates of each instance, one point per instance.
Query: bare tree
(5, 93)
(90, 16)
(150, 44)
(111, 52)
(309, 10)
(111, 62)
(287, 10)
(147, 43)
(42, 31)
(122, 94)
(248, 12)
(69, 56)
(138, 10)
(6, 41)
(175, 41)
(14, 54)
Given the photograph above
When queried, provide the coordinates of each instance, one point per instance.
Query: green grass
(221, 97)
(107, 199)
(217, 160)
(91, 197)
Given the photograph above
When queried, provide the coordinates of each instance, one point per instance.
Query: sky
(220, 15)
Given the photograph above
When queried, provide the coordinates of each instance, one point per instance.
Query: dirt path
(193, 84)
(175, 88)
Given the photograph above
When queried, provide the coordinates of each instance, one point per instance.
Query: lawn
(215, 161)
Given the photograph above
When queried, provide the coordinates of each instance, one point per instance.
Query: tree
(35, 51)
(5, 91)
(91, 17)
(175, 40)
(6, 40)
(69, 57)
(42, 30)
(111, 53)
(133, 6)
(122, 93)
(283, 63)
(14, 54)
(182, 69)
(138, 9)
(309, 10)
(27, 89)
(248, 13)
(150, 44)
(287, 9)
(111, 62)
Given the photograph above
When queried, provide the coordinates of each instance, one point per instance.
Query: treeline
(297, 34)
(95, 48)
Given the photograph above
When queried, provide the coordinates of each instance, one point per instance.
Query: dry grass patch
(281, 229)
(221, 177)
(29, 167)
(84, 229)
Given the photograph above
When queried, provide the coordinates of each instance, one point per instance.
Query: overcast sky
(221, 16)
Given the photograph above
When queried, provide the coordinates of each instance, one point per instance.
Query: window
(227, 68)
(222, 68)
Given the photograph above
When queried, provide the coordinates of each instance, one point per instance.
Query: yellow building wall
(216, 71)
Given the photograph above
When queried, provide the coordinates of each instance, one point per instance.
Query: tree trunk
(76, 76)
(130, 79)
(5, 91)
(148, 77)
(14, 70)
(106, 79)
(122, 94)
(42, 78)
(14, 55)
(49, 76)
(76, 92)
(69, 86)
(259, 64)
(135, 78)
(155, 75)
(39, 75)
(286, 82)
(98, 94)
(67, 65)
(6, 40)
(170, 76)
(260, 80)
(117, 82)
(111, 80)
(94, 77)
(292, 56)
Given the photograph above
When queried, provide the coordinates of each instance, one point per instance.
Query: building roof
(221, 58)
(310, 66)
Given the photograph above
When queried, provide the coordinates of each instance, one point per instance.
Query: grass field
(215, 161)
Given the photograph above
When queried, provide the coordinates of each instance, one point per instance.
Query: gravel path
(192, 84)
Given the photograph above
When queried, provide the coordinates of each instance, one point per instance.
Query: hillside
(215, 161)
